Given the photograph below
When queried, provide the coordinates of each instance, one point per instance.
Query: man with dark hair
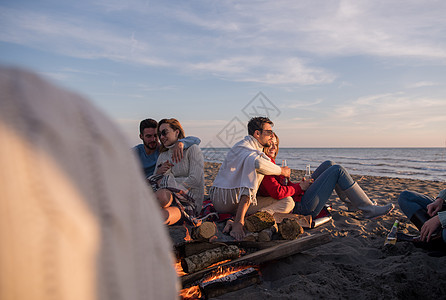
(148, 151)
(257, 124)
(235, 186)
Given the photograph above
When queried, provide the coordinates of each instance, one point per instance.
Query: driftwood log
(290, 229)
(206, 258)
(259, 221)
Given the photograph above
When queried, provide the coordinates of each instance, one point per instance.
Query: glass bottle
(391, 237)
(285, 180)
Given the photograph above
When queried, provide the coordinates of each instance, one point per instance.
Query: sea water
(414, 163)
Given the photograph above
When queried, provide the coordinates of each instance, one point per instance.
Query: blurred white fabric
(77, 220)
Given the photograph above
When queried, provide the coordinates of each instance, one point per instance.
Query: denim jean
(326, 176)
(410, 202)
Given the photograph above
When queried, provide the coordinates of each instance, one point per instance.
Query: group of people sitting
(249, 181)
(75, 219)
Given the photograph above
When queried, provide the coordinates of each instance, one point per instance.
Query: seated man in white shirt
(235, 186)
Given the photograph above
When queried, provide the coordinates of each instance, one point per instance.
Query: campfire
(214, 260)
(209, 267)
(222, 280)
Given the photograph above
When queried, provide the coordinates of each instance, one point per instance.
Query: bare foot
(237, 231)
(228, 226)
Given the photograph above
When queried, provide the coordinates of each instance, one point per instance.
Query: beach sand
(356, 264)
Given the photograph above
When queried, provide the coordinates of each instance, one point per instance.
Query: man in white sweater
(235, 186)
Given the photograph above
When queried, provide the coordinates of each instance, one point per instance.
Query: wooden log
(206, 258)
(259, 221)
(290, 229)
(251, 237)
(280, 250)
(194, 247)
(266, 235)
(230, 283)
(204, 232)
(304, 221)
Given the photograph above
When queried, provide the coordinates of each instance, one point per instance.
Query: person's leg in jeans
(320, 191)
(322, 168)
(414, 205)
(329, 176)
(410, 202)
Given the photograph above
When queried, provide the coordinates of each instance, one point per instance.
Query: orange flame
(218, 263)
(222, 272)
(179, 269)
(191, 293)
(187, 237)
(194, 292)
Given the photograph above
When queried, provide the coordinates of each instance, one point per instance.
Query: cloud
(303, 104)
(268, 42)
(392, 110)
(74, 36)
(422, 84)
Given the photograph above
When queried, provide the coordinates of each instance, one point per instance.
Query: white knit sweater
(188, 174)
(242, 172)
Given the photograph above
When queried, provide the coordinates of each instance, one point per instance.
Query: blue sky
(328, 73)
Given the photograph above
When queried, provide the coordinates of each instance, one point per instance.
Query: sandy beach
(355, 264)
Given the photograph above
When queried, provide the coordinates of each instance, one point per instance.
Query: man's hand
(177, 152)
(164, 168)
(237, 231)
(286, 172)
(429, 228)
(305, 183)
(434, 207)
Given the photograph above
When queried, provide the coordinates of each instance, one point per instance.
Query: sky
(328, 73)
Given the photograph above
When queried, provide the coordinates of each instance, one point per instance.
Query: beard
(266, 144)
(151, 145)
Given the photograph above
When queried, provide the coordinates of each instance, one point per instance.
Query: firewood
(259, 221)
(204, 232)
(230, 283)
(206, 258)
(251, 237)
(290, 229)
(280, 250)
(304, 221)
(266, 235)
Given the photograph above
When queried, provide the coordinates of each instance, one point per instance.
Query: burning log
(290, 229)
(207, 258)
(280, 249)
(204, 232)
(230, 283)
(259, 221)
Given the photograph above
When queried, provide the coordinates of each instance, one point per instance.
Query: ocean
(414, 163)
